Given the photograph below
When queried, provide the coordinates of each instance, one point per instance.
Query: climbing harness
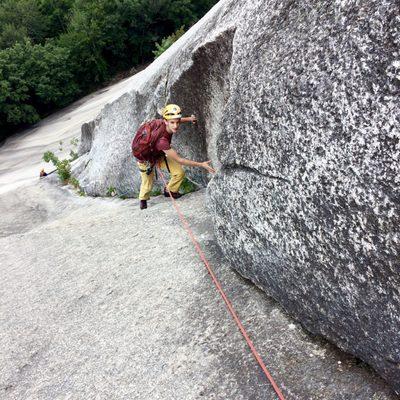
(222, 293)
(149, 168)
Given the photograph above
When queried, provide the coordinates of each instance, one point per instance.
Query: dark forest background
(54, 51)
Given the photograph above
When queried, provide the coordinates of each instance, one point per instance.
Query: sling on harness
(150, 167)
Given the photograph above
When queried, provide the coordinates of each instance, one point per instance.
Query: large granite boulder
(298, 107)
(307, 204)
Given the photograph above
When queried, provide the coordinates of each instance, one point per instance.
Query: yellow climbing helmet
(171, 111)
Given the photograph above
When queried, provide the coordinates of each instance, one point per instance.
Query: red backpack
(145, 140)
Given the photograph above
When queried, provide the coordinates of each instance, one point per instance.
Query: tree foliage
(33, 79)
(52, 51)
(168, 41)
(25, 17)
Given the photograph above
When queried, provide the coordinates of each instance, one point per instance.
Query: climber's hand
(205, 165)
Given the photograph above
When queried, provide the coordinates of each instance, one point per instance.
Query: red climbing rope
(225, 298)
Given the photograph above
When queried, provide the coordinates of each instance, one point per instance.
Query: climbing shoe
(143, 204)
(175, 195)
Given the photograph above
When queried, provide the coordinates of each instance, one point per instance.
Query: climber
(152, 147)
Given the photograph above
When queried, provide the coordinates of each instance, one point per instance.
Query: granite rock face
(307, 204)
(298, 107)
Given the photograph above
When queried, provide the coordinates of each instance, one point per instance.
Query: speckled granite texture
(298, 107)
(307, 203)
(100, 300)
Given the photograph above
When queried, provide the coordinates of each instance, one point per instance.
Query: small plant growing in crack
(111, 191)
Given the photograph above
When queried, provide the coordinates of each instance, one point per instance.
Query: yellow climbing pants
(176, 171)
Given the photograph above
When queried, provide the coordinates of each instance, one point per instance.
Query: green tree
(168, 41)
(33, 80)
(57, 14)
(95, 39)
(10, 34)
(54, 50)
(150, 21)
(24, 16)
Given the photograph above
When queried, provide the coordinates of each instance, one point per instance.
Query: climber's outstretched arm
(171, 153)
